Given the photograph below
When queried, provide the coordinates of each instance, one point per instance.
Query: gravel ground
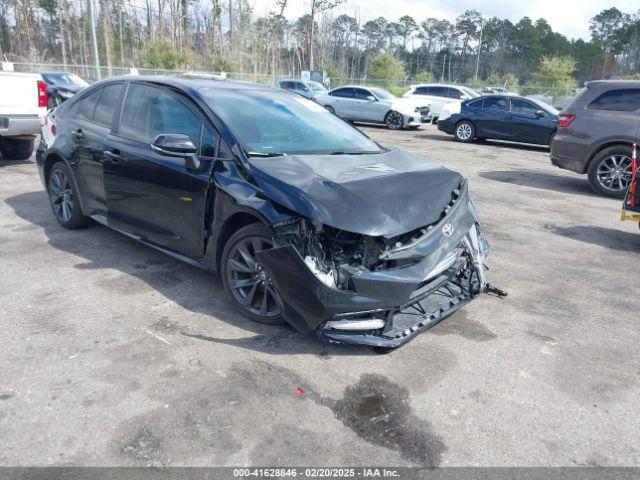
(113, 354)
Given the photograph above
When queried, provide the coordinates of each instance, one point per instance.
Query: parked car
(307, 219)
(306, 88)
(438, 95)
(61, 86)
(23, 103)
(374, 105)
(503, 117)
(596, 132)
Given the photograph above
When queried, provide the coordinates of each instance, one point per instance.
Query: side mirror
(539, 113)
(177, 145)
(371, 98)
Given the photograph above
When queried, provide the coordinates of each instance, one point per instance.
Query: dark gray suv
(596, 133)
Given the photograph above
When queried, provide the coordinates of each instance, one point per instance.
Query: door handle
(113, 156)
(78, 134)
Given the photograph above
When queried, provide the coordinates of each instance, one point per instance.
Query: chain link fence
(558, 97)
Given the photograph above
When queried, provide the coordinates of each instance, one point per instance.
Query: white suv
(439, 95)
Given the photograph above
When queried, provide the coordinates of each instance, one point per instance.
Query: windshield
(315, 86)
(381, 94)
(65, 79)
(270, 122)
(545, 106)
(470, 92)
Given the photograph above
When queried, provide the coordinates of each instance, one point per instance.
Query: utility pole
(479, 48)
(94, 40)
(121, 35)
(62, 43)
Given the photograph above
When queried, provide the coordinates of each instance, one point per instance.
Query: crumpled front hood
(384, 194)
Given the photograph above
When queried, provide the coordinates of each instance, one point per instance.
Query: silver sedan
(374, 105)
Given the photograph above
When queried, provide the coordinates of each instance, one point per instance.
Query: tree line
(227, 35)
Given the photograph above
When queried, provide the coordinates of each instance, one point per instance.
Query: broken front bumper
(388, 307)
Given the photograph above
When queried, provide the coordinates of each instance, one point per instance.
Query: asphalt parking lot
(113, 354)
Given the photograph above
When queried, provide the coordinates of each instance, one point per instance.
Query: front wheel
(465, 131)
(609, 172)
(245, 280)
(394, 120)
(64, 198)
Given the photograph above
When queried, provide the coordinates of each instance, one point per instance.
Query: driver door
(153, 196)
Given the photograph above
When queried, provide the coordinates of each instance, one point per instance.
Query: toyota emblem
(447, 230)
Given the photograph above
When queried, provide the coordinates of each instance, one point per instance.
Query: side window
(438, 91)
(475, 104)
(150, 111)
(299, 87)
(107, 104)
(454, 93)
(361, 93)
(286, 85)
(343, 93)
(87, 105)
(422, 91)
(494, 104)
(522, 106)
(208, 144)
(623, 100)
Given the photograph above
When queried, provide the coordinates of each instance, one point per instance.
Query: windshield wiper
(266, 154)
(343, 152)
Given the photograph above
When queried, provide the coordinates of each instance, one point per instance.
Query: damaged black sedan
(307, 220)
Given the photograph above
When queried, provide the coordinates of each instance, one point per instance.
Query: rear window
(622, 100)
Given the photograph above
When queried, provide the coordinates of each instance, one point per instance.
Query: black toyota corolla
(307, 219)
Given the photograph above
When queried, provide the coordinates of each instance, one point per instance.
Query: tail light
(53, 129)
(565, 119)
(314, 99)
(42, 94)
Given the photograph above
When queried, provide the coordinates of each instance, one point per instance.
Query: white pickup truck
(23, 103)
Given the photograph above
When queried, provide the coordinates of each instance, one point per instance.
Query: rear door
(343, 101)
(153, 196)
(491, 119)
(89, 125)
(526, 124)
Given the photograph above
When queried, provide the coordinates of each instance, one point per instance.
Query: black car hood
(66, 88)
(384, 194)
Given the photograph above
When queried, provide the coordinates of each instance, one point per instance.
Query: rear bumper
(19, 125)
(567, 163)
(446, 126)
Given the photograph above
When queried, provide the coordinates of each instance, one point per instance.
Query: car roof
(613, 83)
(436, 85)
(185, 83)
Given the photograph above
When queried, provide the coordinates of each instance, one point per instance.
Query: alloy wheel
(61, 195)
(249, 282)
(463, 131)
(394, 120)
(614, 172)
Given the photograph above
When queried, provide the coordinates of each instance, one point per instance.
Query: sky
(569, 17)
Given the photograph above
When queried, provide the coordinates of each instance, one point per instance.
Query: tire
(330, 109)
(551, 137)
(16, 148)
(244, 280)
(394, 120)
(464, 131)
(609, 172)
(63, 197)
